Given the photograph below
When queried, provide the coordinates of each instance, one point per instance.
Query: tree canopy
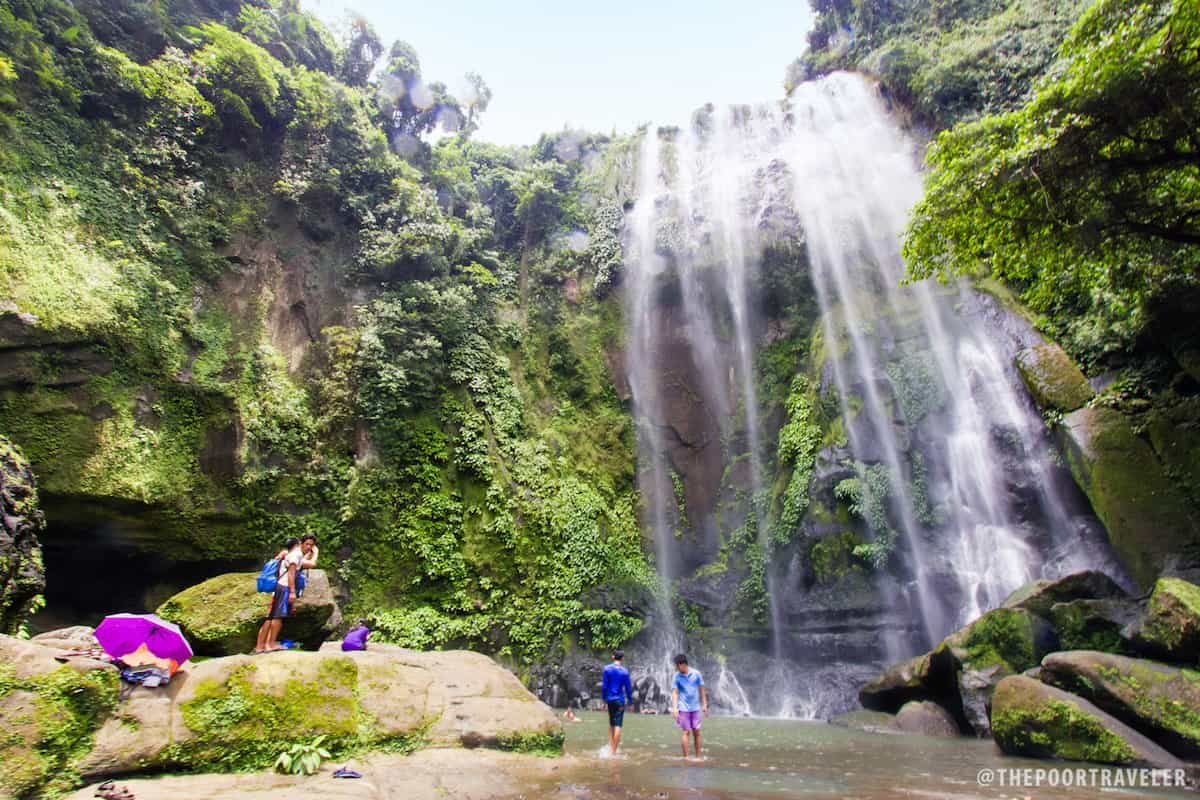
(1088, 198)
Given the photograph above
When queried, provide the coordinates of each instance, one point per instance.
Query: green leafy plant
(302, 759)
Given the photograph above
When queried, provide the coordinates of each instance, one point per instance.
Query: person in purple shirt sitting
(617, 691)
(356, 637)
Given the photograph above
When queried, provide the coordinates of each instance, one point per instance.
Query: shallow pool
(767, 758)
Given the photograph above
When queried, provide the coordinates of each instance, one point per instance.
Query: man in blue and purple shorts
(689, 702)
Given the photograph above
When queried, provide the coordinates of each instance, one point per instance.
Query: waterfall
(948, 448)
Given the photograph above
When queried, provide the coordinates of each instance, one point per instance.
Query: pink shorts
(689, 720)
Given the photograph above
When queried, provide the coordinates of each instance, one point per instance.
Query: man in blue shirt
(688, 699)
(617, 692)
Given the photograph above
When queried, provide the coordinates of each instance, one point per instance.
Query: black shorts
(616, 713)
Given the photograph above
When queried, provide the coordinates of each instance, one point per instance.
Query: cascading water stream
(938, 430)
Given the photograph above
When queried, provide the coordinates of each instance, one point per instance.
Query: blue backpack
(268, 579)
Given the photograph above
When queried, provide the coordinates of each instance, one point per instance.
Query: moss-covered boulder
(1170, 628)
(1148, 519)
(1040, 596)
(1160, 701)
(1013, 639)
(1031, 718)
(50, 712)
(222, 615)
(1094, 624)
(240, 712)
(22, 574)
(1052, 378)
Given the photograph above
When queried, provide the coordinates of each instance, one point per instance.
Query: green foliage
(833, 557)
(799, 440)
(1086, 199)
(947, 61)
(866, 496)
(302, 758)
(915, 381)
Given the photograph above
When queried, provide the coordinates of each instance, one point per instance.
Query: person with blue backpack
(280, 577)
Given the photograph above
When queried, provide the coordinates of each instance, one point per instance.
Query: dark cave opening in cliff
(103, 567)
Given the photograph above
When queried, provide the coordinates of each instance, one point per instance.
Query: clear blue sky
(593, 65)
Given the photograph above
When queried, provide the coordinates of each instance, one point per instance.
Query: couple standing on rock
(295, 556)
(689, 700)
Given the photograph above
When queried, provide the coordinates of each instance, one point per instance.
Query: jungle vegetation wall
(244, 296)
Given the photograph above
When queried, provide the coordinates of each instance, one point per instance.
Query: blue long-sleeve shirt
(615, 684)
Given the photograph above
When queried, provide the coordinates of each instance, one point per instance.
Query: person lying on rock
(356, 637)
(284, 598)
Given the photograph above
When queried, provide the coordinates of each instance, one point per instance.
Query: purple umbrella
(121, 634)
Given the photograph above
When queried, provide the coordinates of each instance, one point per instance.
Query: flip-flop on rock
(346, 773)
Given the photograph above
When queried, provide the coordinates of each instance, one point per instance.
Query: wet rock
(1031, 718)
(1147, 518)
(975, 689)
(1094, 624)
(926, 718)
(1052, 378)
(925, 677)
(222, 615)
(22, 574)
(1160, 701)
(1170, 628)
(1039, 596)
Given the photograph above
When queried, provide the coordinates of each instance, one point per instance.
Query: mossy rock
(1052, 378)
(1149, 521)
(222, 615)
(1094, 624)
(51, 712)
(22, 572)
(1013, 639)
(1160, 701)
(1041, 595)
(1031, 718)
(1170, 628)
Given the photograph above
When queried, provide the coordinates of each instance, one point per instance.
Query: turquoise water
(770, 759)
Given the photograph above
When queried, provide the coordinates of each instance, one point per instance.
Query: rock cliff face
(22, 575)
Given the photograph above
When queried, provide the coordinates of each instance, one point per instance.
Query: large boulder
(1040, 596)
(22, 574)
(50, 712)
(1170, 628)
(1094, 624)
(924, 677)
(1052, 378)
(1031, 718)
(1002, 642)
(926, 718)
(221, 616)
(1160, 701)
(239, 712)
(1148, 519)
